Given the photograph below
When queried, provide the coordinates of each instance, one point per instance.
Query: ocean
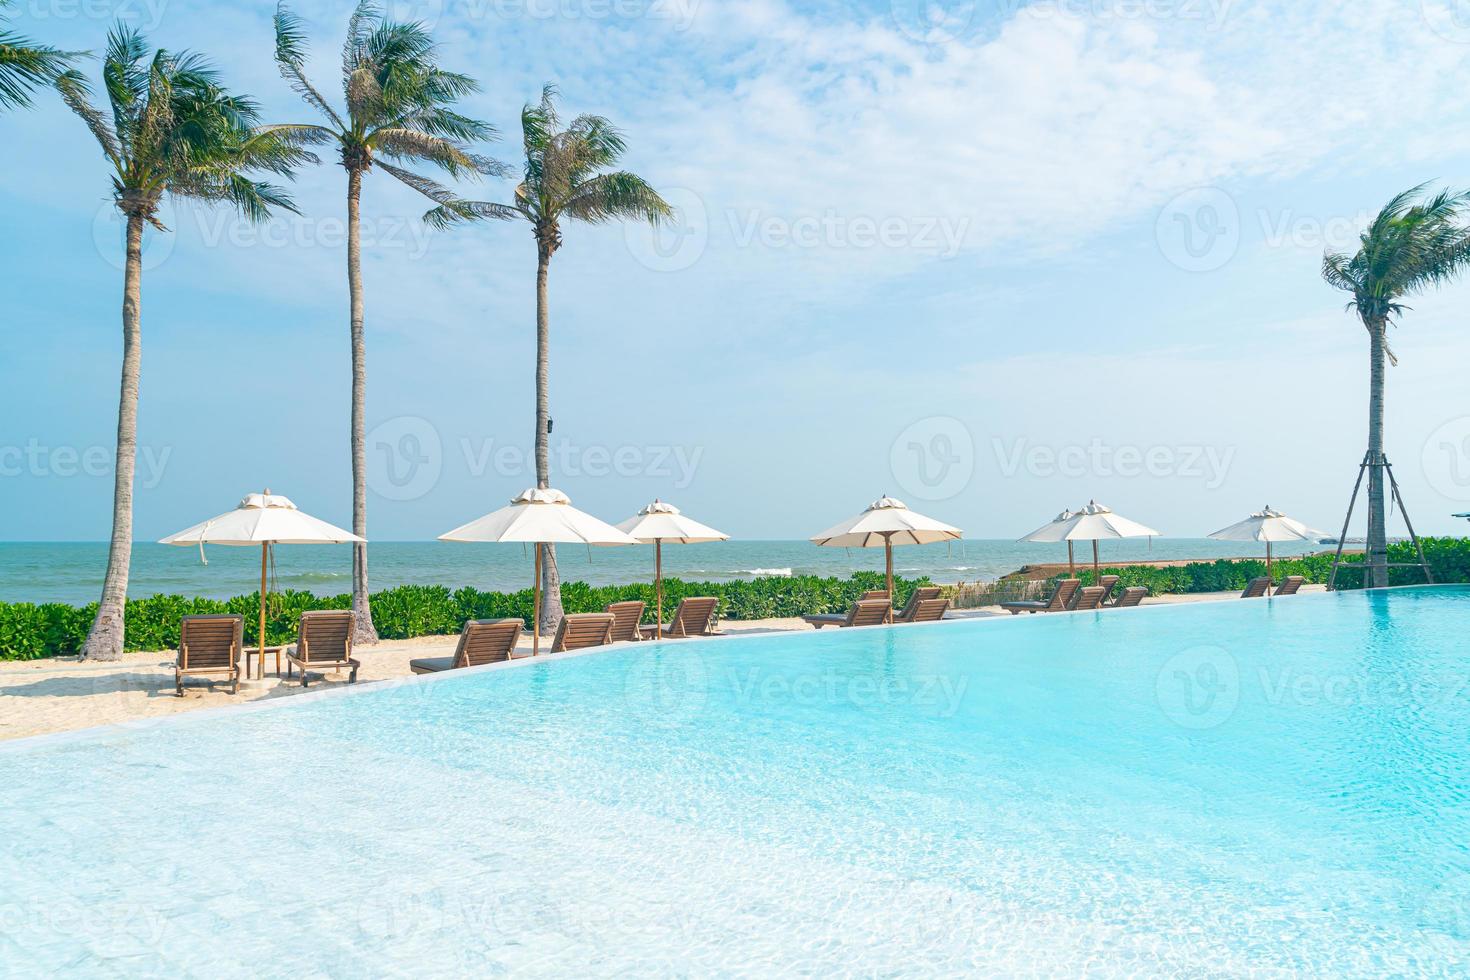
(72, 572)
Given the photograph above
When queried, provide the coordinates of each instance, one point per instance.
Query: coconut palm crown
(1416, 242)
(396, 107)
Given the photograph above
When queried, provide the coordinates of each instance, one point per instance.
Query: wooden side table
(257, 652)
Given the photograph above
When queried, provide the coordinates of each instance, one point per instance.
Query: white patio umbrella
(885, 523)
(1269, 526)
(660, 522)
(539, 517)
(263, 519)
(1091, 523)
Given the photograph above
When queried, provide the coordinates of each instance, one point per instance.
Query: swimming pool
(1269, 786)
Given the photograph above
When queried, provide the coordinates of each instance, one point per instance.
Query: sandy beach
(58, 694)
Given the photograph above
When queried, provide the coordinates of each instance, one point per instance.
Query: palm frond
(291, 60)
(617, 195)
(76, 94)
(26, 66)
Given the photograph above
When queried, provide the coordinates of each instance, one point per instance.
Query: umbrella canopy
(1269, 526)
(1044, 533)
(885, 523)
(1091, 523)
(660, 522)
(543, 516)
(262, 519)
(539, 517)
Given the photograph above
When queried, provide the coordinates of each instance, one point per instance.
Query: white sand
(59, 694)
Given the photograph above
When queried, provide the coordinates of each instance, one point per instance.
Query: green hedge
(29, 630)
(1449, 558)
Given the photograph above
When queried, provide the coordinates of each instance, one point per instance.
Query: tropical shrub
(29, 630)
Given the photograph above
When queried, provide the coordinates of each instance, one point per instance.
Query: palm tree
(568, 176)
(397, 103)
(26, 66)
(172, 130)
(1415, 242)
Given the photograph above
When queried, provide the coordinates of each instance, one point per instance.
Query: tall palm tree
(396, 106)
(26, 66)
(172, 129)
(567, 176)
(1417, 241)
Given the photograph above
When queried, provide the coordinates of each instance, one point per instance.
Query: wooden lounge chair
(580, 630)
(1291, 585)
(874, 594)
(928, 611)
(1059, 600)
(1087, 598)
(920, 594)
(1256, 588)
(625, 618)
(694, 617)
(324, 642)
(1107, 582)
(209, 645)
(1131, 596)
(864, 612)
(483, 641)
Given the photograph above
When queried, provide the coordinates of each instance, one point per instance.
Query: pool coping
(355, 690)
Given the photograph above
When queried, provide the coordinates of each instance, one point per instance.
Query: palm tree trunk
(364, 632)
(551, 610)
(1377, 558)
(105, 639)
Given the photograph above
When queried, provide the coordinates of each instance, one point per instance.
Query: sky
(994, 258)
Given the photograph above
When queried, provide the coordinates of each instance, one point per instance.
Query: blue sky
(995, 258)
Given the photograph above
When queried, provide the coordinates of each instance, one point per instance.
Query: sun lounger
(874, 594)
(209, 645)
(694, 617)
(1107, 582)
(1131, 596)
(625, 618)
(580, 630)
(324, 642)
(864, 612)
(1256, 588)
(1087, 598)
(1291, 585)
(928, 611)
(920, 594)
(1066, 589)
(483, 641)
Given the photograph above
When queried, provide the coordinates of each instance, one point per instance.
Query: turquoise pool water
(1270, 787)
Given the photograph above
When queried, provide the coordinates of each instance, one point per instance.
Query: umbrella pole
(260, 637)
(1096, 572)
(1071, 560)
(536, 606)
(1268, 568)
(658, 580)
(888, 563)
